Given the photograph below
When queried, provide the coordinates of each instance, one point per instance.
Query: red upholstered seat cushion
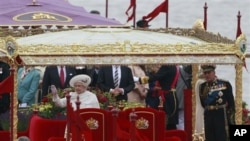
(123, 131)
(57, 139)
(174, 138)
(5, 135)
(42, 129)
(176, 133)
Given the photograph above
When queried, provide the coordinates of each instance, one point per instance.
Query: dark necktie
(116, 77)
(62, 76)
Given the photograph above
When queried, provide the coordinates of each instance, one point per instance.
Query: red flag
(132, 5)
(6, 86)
(163, 7)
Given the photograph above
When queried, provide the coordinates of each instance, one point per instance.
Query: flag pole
(205, 16)
(134, 11)
(106, 13)
(167, 14)
(238, 32)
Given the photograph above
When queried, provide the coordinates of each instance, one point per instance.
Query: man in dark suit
(165, 83)
(106, 78)
(93, 73)
(4, 97)
(53, 75)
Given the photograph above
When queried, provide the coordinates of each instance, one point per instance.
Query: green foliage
(48, 109)
(105, 98)
(23, 115)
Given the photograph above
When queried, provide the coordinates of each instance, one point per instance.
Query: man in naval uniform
(217, 99)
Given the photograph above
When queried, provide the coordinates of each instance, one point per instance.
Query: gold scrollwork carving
(11, 46)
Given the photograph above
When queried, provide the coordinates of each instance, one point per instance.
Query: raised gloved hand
(53, 90)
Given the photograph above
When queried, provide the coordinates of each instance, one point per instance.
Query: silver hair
(23, 138)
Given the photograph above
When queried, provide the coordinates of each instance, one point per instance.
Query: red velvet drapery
(188, 112)
(7, 84)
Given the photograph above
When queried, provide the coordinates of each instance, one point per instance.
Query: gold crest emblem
(92, 123)
(142, 123)
(41, 16)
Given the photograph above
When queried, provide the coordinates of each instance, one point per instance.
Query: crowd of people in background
(151, 85)
(34, 83)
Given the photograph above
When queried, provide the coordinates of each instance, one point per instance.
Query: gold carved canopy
(126, 46)
(104, 46)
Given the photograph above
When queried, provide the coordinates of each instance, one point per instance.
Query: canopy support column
(238, 93)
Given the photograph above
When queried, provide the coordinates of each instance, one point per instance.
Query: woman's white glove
(53, 90)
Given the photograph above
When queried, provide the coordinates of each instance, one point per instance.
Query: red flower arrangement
(245, 114)
(105, 98)
(47, 108)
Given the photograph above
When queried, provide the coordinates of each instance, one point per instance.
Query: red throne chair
(88, 124)
(98, 121)
(148, 124)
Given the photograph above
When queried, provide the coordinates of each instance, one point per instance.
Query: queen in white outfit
(80, 84)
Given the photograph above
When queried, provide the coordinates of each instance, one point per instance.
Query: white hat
(83, 78)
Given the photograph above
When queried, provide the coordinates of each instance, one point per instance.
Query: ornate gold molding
(127, 48)
(195, 72)
(15, 103)
(194, 32)
(127, 60)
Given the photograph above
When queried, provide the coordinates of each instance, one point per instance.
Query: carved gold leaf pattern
(127, 60)
(121, 48)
